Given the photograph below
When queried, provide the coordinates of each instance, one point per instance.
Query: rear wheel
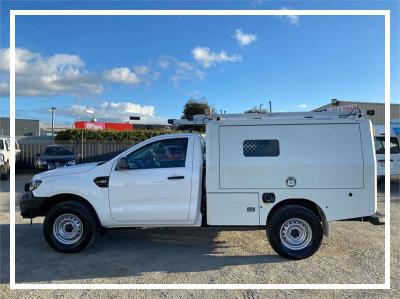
(70, 227)
(294, 231)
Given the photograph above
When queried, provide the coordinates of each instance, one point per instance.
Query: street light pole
(52, 120)
(270, 106)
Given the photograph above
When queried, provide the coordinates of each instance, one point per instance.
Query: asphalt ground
(354, 253)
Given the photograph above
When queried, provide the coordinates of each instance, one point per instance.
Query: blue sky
(121, 66)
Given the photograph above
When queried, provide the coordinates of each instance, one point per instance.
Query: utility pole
(270, 106)
(52, 120)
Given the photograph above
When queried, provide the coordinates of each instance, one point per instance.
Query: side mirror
(122, 164)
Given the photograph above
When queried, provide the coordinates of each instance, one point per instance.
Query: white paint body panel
(318, 156)
(333, 162)
(147, 195)
(232, 208)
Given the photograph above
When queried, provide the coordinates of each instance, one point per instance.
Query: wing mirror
(122, 164)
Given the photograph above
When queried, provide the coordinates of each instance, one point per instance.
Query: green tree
(193, 107)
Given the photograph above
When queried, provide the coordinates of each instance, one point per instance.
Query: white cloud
(134, 76)
(164, 62)
(292, 19)
(121, 75)
(186, 71)
(181, 70)
(207, 58)
(114, 111)
(244, 39)
(46, 76)
(141, 69)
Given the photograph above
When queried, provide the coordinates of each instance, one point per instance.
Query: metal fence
(91, 151)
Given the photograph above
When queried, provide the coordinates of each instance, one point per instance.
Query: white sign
(347, 108)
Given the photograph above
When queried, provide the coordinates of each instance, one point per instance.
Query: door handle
(179, 177)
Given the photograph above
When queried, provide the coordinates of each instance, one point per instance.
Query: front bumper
(31, 206)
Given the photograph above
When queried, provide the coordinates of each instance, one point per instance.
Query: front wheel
(70, 227)
(294, 232)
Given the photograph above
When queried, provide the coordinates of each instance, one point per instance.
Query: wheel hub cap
(67, 229)
(295, 234)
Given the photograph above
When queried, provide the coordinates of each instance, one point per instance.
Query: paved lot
(353, 254)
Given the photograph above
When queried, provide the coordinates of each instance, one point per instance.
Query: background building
(376, 111)
(23, 127)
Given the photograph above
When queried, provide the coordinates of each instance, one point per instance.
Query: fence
(92, 151)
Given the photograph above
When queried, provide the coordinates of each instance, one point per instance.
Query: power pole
(270, 106)
(52, 120)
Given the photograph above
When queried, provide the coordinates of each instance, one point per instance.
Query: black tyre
(294, 231)
(70, 227)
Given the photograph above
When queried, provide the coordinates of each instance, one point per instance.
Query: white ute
(291, 173)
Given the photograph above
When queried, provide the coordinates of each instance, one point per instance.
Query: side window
(7, 145)
(1, 145)
(380, 145)
(394, 146)
(160, 154)
(261, 148)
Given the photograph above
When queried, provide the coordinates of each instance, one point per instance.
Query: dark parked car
(55, 156)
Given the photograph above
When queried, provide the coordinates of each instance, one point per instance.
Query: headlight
(1, 159)
(71, 162)
(34, 184)
(41, 162)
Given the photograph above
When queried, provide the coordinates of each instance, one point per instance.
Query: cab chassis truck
(291, 173)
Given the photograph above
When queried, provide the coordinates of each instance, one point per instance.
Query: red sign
(94, 125)
(119, 126)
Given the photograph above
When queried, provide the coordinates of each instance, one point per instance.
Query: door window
(160, 154)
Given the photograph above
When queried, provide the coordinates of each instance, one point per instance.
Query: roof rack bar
(202, 119)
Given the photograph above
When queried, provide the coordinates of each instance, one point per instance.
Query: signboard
(94, 125)
(346, 108)
(90, 125)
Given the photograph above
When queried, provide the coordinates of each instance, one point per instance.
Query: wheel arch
(59, 198)
(309, 204)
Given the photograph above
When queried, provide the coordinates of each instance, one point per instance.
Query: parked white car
(290, 173)
(380, 153)
(5, 152)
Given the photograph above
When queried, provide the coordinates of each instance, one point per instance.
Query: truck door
(156, 187)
